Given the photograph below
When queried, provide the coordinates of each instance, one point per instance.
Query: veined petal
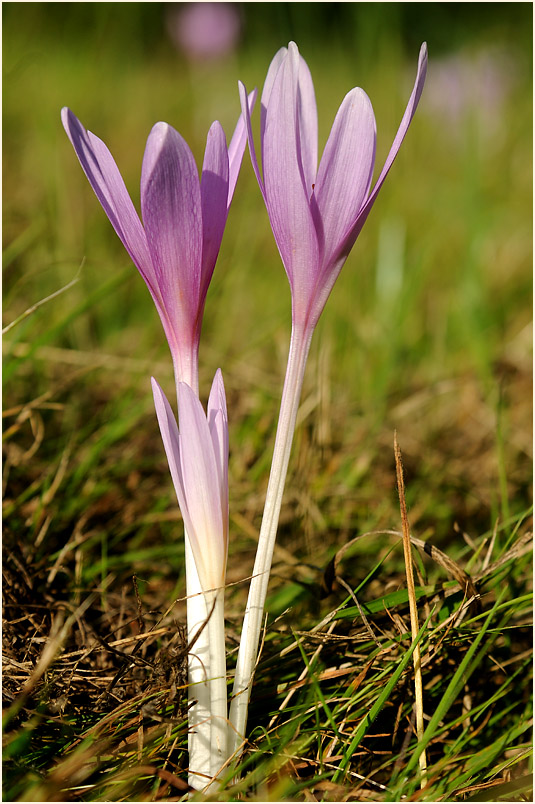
(345, 170)
(218, 424)
(169, 431)
(237, 147)
(104, 177)
(202, 490)
(214, 194)
(307, 121)
(412, 105)
(171, 209)
(273, 69)
(286, 197)
(246, 113)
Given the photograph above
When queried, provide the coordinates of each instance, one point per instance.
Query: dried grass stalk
(418, 686)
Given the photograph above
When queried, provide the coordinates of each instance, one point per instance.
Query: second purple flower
(316, 213)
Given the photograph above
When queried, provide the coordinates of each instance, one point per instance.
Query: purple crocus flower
(176, 247)
(317, 213)
(198, 461)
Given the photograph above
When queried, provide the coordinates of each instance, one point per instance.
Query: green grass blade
(466, 667)
(379, 703)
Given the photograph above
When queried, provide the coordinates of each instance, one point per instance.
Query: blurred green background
(427, 330)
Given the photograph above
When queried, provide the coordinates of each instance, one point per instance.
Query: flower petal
(246, 114)
(104, 177)
(171, 209)
(218, 424)
(170, 436)
(285, 193)
(237, 147)
(202, 490)
(273, 69)
(346, 169)
(307, 120)
(412, 105)
(214, 194)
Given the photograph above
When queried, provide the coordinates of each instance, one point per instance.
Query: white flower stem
(199, 727)
(252, 622)
(218, 679)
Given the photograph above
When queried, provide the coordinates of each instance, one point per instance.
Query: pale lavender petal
(237, 147)
(171, 442)
(412, 105)
(273, 69)
(169, 431)
(286, 196)
(247, 116)
(109, 187)
(171, 209)
(201, 489)
(218, 424)
(219, 433)
(214, 193)
(345, 170)
(307, 116)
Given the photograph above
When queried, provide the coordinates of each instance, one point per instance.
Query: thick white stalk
(218, 679)
(252, 622)
(199, 728)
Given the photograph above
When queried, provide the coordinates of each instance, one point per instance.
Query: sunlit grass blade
(467, 666)
(379, 703)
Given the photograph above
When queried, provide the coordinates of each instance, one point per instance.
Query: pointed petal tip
(219, 383)
(159, 129)
(242, 91)
(217, 400)
(157, 393)
(251, 98)
(423, 53)
(361, 94)
(216, 125)
(69, 119)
